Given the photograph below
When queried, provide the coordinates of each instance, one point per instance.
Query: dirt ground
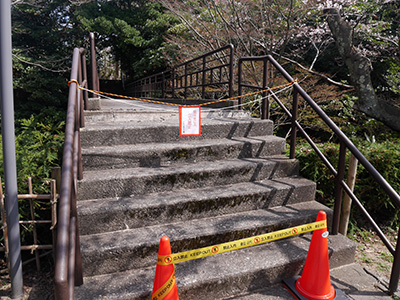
(37, 285)
(371, 254)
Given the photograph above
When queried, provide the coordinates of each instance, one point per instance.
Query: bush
(39, 144)
(384, 156)
(39, 141)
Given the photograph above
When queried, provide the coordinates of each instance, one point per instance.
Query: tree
(133, 30)
(369, 40)
(290, 30)
(297, 32)
(253, 27)
(44, 34)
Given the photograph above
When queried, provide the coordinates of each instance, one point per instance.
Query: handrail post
(339, 188)
(240, 83)
(93, 64)
(203, 79)
(163, 85)
(85, 81)
(240, 87)
(231, 50)
(295, 110)
(395, 274)
(78, 274)
(265, 102)
(185, 90)
(173, 83)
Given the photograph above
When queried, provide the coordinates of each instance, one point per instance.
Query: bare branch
(30, 3)
(316, 55)
(39, 65)
(316, 73)
(79, 2)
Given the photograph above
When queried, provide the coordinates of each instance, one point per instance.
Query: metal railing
(68, 268)
(68, 271)
(94, 75)
(345, 144)
(199, 77)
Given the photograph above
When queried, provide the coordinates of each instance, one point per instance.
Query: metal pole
(231, 50)
(240, 83)
(264, 103)
(295, 112)
(10, 169)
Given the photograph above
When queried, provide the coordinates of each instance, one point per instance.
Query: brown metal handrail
(68, 268)
(201, 72)
(345, 143)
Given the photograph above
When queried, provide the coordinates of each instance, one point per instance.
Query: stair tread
(138, 113)
(101, 215)
(206, 226)
(134, 248)
(179, 196)
(151, 147)
(139, 180)
(94, 175)
(241, 269)
(113, 133)
(168, 123)
(164, 154)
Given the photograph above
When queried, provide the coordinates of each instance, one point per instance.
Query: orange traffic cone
(164, 282)
(315, 281)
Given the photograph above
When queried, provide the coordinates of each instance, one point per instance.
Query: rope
(73, 81)
(254, 101)
(210, 109)
(183, 105)
(131, 103)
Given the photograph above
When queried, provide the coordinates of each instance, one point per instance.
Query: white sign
(189, 121)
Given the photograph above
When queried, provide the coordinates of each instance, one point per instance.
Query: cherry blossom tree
(367, 38)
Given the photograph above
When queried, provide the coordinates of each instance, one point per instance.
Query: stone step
(109, 134)
(137, 248)
(220, 276)
(129, 182)
(156, 155)
(105, 215)
(355, 281)
(135, 114)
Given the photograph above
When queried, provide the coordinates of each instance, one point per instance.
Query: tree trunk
(360, 73)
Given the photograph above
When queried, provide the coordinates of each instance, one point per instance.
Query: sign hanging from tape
(189, 121)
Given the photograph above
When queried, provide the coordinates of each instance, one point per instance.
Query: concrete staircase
(142, 181)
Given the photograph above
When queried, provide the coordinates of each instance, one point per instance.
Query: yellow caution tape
(163, 291)
(239, 244)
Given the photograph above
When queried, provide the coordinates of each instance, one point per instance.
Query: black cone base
(290, 285)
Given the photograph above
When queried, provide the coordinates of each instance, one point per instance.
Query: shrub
(384, 156)
(38, 142)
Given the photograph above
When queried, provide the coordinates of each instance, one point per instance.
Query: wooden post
(56, 175)
(53, 201)
(346, 206)
(32, 210)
